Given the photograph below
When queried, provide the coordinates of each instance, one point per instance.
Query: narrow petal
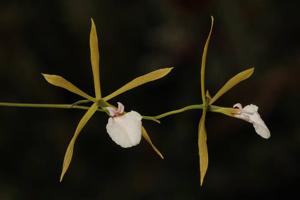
(63, 83)
(203, 62)
(232, 82)
(148, 139)
(81, 124)
(95, 59)
(202, 146)
(152, 76)
(125, 130)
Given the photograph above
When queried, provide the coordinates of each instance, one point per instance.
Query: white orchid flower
(250, 114)
(125, 129)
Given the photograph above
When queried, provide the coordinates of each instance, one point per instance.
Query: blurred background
(136, 37)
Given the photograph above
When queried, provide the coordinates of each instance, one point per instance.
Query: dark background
(135, 38)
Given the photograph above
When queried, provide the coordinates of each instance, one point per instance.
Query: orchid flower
(124, 128)
(248, 113)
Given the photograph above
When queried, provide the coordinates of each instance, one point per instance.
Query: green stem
(40, 105)
(211, 108)
(173, 112)
(84, 101)
(151, 119)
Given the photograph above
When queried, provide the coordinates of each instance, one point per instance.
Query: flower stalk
(212, 108)
(41, 105)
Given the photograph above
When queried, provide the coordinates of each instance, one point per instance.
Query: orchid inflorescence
(125, 128)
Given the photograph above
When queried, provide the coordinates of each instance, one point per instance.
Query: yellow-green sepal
(147, 138)
(152, 76)
(94, 51)
(203, 61)
(59, 81)
(231, 112)
(232, 82)
(69, 153)
(202, 147)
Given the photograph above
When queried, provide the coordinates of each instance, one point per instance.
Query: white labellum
(250, 114)
(125, 129)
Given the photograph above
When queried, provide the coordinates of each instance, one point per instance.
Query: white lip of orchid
(125, 129)
(250, 114)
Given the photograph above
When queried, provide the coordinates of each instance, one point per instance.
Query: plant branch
(41, 105)
(173, 112)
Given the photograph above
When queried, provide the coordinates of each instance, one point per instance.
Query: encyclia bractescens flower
(125, 129)
(115, 126)
(250, 114)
